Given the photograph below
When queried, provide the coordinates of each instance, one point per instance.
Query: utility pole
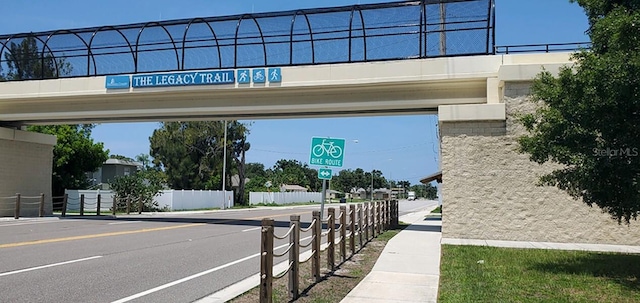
(372, 185)
(224, 166)
(443, 35)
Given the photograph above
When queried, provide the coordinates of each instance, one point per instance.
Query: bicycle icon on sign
(327, 148)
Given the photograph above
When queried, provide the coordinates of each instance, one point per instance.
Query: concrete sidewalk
(408, 270)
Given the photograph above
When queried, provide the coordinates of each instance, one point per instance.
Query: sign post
(327, 152)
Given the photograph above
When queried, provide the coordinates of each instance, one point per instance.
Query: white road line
(47, 266)
(250, 229)
(124, 222)
(200, 274)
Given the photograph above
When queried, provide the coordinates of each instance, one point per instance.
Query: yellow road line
(129, 232)
(96, 235)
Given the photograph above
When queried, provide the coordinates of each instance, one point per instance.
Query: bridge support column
(26, 162)
(490, 189)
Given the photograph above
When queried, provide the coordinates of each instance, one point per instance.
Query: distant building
(292, 188)
(397, 192)
(381, 194)
(235, 181)
(111, 169)
(358, 193)
(333, 194)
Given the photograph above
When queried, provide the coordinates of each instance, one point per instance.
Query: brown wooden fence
(362, 221)
(125, 204)
(62, 203)
(19, 201)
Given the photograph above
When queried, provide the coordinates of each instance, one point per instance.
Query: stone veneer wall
(25, 168)
(490, 190)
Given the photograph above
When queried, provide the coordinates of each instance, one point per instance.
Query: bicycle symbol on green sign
(327, 148)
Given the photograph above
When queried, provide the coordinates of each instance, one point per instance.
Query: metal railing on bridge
(542, 48)
(358, 33)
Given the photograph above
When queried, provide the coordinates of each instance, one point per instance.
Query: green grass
(535, 275)
(242, 206)
(437, 210)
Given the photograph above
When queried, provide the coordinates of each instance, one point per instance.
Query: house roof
(292, 187)
(121, 162)
(235, 180)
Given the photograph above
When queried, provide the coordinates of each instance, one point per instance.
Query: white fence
(283, 198)
(90, 199)
(169, 199)
(195, 199)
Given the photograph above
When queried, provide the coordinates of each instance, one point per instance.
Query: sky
(402, 147)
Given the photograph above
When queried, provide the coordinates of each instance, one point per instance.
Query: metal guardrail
(357, 33)
(374, 217)
(538, 48)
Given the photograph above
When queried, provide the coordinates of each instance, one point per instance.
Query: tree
(291, 172)
(188, 152)
(191, 153)
(345, 181)
(253, 170)
(142, 186)
(353, 179)
(26, 61)
(74, 155)
(426, 191)
(145, 159)
(237, 137)
(588, 117)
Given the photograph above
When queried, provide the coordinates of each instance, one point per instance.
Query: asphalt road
(177, 257)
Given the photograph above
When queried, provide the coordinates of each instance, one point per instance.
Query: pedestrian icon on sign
(243, 76)
(275, 75)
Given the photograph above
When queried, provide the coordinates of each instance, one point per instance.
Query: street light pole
(224, 166)
(372, 185)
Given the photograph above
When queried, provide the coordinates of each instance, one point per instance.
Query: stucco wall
(26, 162)
(490, 189)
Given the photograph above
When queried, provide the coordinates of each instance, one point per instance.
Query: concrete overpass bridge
(412, 57)
(399, 57)
(415, 86)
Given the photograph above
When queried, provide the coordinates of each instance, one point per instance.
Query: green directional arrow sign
(324, 174)
(327, 152)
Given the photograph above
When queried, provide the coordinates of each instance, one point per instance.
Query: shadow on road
(424, 228)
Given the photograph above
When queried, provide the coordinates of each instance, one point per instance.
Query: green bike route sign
(327, 152)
